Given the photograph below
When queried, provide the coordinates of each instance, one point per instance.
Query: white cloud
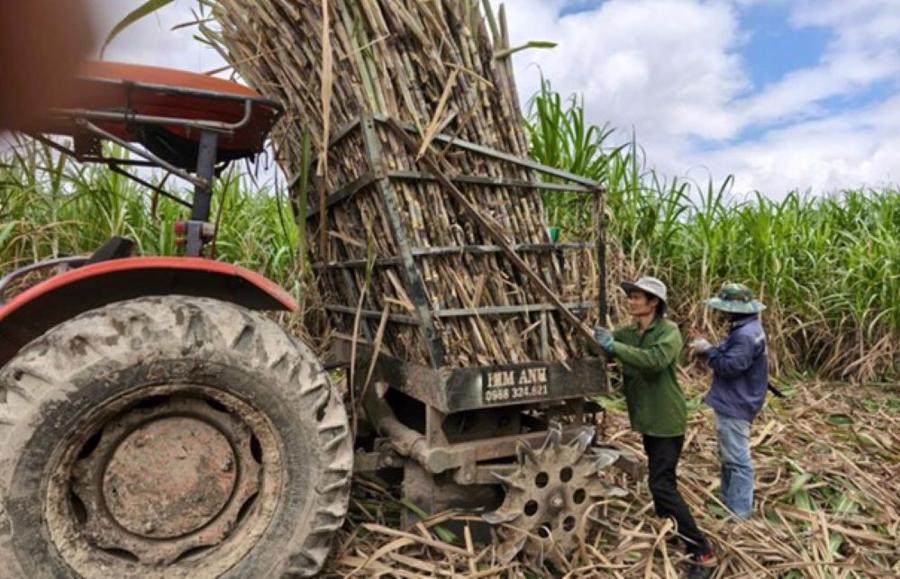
(865, 50)
(152, 40)
(672, 70)
(663, 63)
(848, 150)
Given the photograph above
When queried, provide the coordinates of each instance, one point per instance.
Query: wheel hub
(549, 497)
(166, 478)
(169, 477)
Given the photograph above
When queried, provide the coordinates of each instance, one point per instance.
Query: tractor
(155, 421)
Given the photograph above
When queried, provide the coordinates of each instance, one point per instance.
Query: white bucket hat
(648, 285)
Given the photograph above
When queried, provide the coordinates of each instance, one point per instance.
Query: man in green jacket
(648, 352)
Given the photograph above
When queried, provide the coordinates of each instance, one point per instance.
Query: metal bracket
(140, 152)
(196, 234)
(130, 117)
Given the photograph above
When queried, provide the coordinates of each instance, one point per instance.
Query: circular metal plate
(169, 477)
(164, 479)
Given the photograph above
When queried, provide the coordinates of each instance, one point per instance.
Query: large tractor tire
(169, 437)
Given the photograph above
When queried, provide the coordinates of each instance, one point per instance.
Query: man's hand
(700, 346)
(605, 338)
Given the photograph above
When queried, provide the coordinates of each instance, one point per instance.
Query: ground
(827, 504)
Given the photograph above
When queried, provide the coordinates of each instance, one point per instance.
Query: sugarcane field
(449, 288)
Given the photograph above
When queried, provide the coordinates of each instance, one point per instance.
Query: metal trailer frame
(556, 389)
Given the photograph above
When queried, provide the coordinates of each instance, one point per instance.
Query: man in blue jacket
(740, 380)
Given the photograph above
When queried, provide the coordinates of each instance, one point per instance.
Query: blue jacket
(740, 368)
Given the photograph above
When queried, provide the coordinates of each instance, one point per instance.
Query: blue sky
(783, 94)
(774, 47)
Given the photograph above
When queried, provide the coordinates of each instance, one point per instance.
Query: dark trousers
(663, 455)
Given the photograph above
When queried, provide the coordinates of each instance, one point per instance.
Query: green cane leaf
(143, 10)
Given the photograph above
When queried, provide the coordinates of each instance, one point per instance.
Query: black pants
(663, 455)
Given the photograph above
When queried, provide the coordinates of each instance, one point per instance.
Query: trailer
(155, 422)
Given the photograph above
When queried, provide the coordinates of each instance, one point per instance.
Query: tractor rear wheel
(169, 437)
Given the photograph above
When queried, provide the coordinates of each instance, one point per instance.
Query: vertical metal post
(409, 269)
(602, 298)
(206, 162)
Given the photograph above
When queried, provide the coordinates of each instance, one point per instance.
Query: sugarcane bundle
(441, 69)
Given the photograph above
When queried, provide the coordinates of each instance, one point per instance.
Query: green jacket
(656, 403)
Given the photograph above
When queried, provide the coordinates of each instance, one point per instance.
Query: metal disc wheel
(549, 497)
(166, 478)
(169, 437)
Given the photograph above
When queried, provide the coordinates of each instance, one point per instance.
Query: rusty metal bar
(344, 193)
(53, 144)
(461, 312)
(86, 124)
(127, 117)
(372, 314)
(494, 153)
(349, 190)
(506, 310)
(341, 134)
(576, 183)
(350, 283)
(113, 164)
(545, 338)
(409, 269)
(494, 182)
(115, 161)
(602, 298)
(114, 167)
(458, 250)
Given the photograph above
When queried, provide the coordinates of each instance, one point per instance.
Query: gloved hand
(700, 346)
(605, 338)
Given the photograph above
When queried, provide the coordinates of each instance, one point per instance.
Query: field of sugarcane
(827, 266)
(826, 458)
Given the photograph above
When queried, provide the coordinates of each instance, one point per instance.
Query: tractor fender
(64, 296)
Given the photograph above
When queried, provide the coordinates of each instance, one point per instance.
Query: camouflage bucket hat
(736, 298)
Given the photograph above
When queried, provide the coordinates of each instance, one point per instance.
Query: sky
(783, 94)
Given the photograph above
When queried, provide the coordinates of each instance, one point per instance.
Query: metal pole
(603, 299)
(206, 162)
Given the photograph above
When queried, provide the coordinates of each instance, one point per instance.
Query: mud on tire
(169, 437)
